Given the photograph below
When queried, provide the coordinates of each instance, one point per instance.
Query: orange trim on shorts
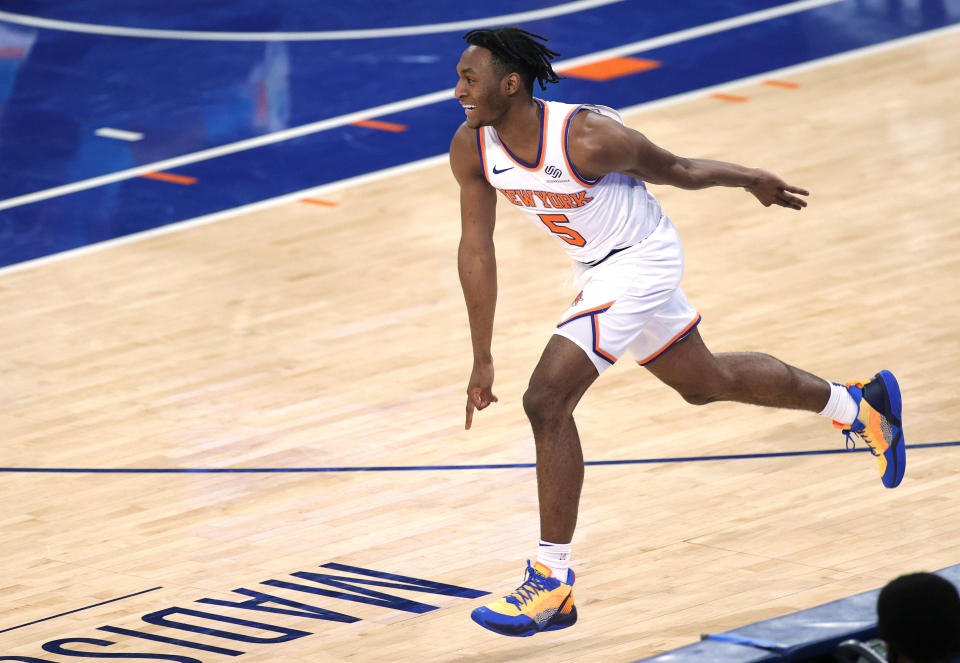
(595, 309)
(686, 330)
(594, 313)
(596, 341)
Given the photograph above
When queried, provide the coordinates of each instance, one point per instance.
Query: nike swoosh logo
(497, 172)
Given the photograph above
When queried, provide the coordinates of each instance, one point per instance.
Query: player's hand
(479, 391)
(771, 190)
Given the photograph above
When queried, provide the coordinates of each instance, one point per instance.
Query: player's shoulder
(464, 154)
(464, 140)
(593, 127)
(597, 141)
(594, 117)
(464, 134)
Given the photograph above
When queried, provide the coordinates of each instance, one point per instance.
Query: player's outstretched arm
(477, 264)
(599, 145)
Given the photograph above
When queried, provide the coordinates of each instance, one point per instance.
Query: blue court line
(315, 35)
(37, 621)
(421, 468)
(427, 99)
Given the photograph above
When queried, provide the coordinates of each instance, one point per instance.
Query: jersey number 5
(568, 235)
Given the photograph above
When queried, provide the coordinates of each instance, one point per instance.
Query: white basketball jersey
(589, 218)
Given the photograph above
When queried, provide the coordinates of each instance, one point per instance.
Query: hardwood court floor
(308, 336)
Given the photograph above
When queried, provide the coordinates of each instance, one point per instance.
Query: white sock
(556, 557)
(841, 407)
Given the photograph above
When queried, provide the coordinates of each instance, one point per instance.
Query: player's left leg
(751, 377)
(746, 377)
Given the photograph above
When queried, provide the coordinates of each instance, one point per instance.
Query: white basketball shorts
(631, 301)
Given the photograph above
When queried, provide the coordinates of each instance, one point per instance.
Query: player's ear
(511, 83)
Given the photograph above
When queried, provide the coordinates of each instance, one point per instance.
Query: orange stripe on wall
(379, 124)
(785, 84)
(729, 97)
(604, 70)
(170, 177)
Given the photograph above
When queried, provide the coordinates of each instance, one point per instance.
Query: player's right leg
(544, 601)
(562, 376)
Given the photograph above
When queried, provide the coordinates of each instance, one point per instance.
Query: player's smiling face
(478, 88)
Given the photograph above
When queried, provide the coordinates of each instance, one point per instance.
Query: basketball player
(579, 174)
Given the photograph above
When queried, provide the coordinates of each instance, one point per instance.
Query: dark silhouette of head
(919, 618)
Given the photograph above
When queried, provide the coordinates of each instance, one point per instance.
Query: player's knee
(705, 390)
(541, 404)
(715, 385)
(699, 396)
(536, 404)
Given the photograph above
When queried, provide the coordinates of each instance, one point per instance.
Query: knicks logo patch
(578, 299)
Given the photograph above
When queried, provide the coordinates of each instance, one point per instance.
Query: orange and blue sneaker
(878, 424)
(541, 603)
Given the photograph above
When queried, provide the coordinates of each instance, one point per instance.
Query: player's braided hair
(517, 50)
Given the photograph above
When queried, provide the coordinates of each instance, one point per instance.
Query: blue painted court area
(247, 117)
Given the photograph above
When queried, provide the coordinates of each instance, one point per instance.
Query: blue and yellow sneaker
(878, 424)
(541, 603)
